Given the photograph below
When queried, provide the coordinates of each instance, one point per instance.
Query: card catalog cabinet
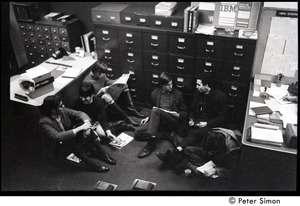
(147, 52)
(41, 38)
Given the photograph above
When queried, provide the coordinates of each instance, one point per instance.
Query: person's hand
(291, 98)
(103, 90)
(85, 126)
(175, 114)
(145, 120)
(201, 124)
(191, 123)
(210, 172)
(86, 133)
(110, 135)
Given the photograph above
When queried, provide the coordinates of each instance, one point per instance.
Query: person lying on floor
(164, 98)
(101, 82)
(60, 134)
(220, 146)
(94, 107)
(208, 110)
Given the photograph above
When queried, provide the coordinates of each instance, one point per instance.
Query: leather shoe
(145, 152)
(168, 159)
(98, 168)
(108, 159)
(134, 112)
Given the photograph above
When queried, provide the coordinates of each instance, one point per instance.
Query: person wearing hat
(169, 112)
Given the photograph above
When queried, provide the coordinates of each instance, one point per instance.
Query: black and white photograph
(150, 99)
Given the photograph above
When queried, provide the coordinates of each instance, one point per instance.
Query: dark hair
(86, 89)
(49, 103)
(164, 78)
(215, 141)
(208, 81)
(99, 67)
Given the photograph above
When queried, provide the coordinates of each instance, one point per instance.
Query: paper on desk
(36, 71)
(272, 104)
(289, 113)
(278, 92)
(72, 72)
(254, 104)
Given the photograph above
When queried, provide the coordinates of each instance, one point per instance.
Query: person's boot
(130, 106)
(124, 115)
(149, 148)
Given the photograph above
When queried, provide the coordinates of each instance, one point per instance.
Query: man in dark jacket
(208, 109)
(169, 112)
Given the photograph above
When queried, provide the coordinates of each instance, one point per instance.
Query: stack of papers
(121, 141)
(205, 29)
(165, 8)
(266, 134)
(207, 166)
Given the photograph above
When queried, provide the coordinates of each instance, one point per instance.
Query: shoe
(98, 168)
(146, 151)
(127, 127)
(108, 159)
(168, 159)
(134, 112)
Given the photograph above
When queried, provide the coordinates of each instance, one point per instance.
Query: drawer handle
(236, 54)
(181, 47)
(232, 95)
(106, 57)
(129, 42)
(154, 82)
(105, 39)
(130, 61)
(180, 86)
(179, 67)
(152, 44)
(209, 50)
(208, 71)
(155, 64)
(236, 75)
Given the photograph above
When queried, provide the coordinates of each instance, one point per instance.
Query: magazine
(122, 140)
(72, 157)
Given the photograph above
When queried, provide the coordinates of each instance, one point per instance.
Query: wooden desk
(266, 167)
(66, 87)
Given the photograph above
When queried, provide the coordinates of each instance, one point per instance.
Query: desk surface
(59, 83)
(252, 119)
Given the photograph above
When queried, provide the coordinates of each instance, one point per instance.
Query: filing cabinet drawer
(142, 16)
(38, 28)
(55, 37)
(63, 38)
(98, 15)
(42, 48)
(130, 40)
(22, 26)
(43, 56)
(128, 14)
(26, 40)
(49, 43)
(39, 35)
(63, 32)
(155, 62)
(236, 93)
(239, 51)
(155, 42)
(66, 46)
(32, 40)
(181, 64)
(54, 30)
(136, 79)
(131, 61)
(158, 22)
(23, 33)
(181, 44)
(175, 22)
(50, 49)
(107, 12)
(106, 38)
(113, 72)
(30, 27)
(183, 83)
(41, 42)
(237, 72)
(47, 37)
(208, 67)
(46, 29)
(108, 56)
(209, 48)
(31, 34)
(151, 79)
(57, 43)
(137, 94)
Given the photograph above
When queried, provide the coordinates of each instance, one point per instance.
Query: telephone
(60, 53)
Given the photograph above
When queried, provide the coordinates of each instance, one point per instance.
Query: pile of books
(191, 18)
(165, 8)
(88, 42)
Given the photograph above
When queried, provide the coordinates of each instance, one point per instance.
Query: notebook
(262, 110)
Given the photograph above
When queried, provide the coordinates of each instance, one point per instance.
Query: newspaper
(118, 86)
(121, 141)
(170, 112)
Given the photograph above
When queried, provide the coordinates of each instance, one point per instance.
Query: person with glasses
(64, 131)
(169, 112)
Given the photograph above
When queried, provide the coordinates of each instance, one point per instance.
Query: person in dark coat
(169, 112)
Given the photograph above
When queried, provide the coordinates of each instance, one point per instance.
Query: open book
(122, 140)
(207, 166)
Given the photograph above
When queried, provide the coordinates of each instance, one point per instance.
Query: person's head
(204, 85)
(86, 92)
(214, 143)
(98, 69)
(52, 105)
(166, 82)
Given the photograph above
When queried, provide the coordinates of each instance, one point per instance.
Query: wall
(264, 23)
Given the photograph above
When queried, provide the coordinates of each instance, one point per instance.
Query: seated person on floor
(208, 109)
(163, 98)
(94, 107)
(292, 92)
(220, 146)
(101, 83)
(60, 134)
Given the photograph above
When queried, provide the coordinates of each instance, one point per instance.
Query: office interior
(262, 168)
